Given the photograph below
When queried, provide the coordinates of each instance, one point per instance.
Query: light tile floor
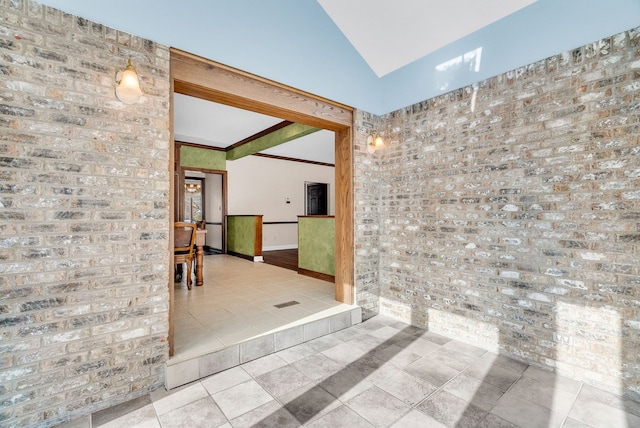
(237, 302)
(381, 373)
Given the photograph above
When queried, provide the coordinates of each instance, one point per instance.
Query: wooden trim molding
(173, 163)
(242, 256)
(279, 222)
(317, 275)
(264, 155)
(257, 246)
(344, 223)
(209, 80)
(198, 146)
(260, 134)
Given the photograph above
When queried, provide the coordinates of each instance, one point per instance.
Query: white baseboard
(280, 247)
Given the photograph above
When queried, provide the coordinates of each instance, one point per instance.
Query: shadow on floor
(381, 373)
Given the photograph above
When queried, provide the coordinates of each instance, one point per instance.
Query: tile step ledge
(180, 371)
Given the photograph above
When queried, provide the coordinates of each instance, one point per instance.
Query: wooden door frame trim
(202, 78)
(173, 164)
(224, 196)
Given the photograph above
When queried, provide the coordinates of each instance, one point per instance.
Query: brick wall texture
(505, 214)
(508, 214)
(366, 190)
(84, 211)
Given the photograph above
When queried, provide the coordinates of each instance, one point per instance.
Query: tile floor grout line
(282, 405)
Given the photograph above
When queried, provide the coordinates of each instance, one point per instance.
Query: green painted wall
(316, 244)
(196, 157)
(241, 232)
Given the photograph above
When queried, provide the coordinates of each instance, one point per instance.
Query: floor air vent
(285, 304)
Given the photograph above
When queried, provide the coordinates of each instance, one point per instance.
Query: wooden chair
(184, 239)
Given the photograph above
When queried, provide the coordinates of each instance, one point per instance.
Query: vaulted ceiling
(387, 34)
(391, 34)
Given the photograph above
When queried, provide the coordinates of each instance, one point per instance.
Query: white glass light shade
(128, 85)
(375, 142)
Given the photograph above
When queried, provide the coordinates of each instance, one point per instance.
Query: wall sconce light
(375, 142)
(128, 85)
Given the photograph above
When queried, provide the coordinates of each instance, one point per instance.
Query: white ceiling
(391, 34)
(217, 125)
(387, 34)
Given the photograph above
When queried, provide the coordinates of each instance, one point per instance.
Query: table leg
(199, 262)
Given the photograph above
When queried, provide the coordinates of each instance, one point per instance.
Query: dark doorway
(317, 199)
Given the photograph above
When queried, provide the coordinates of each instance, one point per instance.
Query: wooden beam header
(206, 79)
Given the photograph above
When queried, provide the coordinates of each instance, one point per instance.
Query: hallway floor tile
(380, 373)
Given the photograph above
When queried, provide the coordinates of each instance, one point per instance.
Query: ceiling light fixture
(128, 85)
(375, 142)
(192, 188)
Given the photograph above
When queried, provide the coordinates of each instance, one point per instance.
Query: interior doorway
(204, 201)
(316, 199)
(194, 199)
(198, 77)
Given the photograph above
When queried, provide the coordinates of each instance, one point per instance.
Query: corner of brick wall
(84, 198)
(366, 215)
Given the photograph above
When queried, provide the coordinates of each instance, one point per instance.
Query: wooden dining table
(200, 241)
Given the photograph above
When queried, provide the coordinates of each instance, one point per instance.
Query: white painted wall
(259, 185)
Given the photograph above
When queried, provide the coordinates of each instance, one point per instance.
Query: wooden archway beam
(205, 79)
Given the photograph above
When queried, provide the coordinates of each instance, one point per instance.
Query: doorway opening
(201, 78)
(204, 202)
(316, 198)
